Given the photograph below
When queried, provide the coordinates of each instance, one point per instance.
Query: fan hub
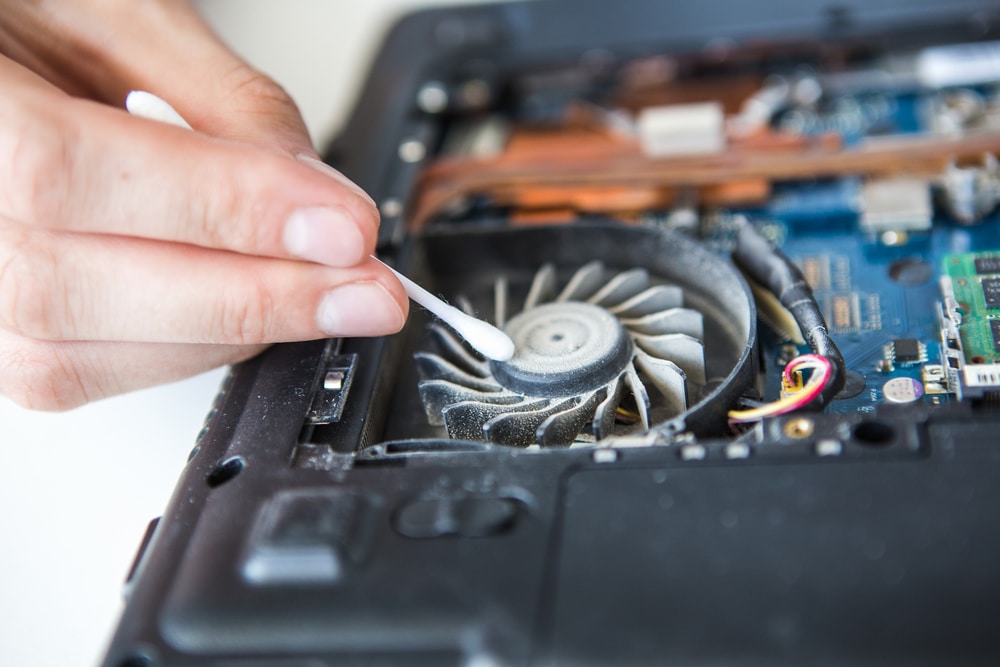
(562, 349)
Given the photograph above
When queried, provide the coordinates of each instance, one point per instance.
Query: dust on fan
(605, 355)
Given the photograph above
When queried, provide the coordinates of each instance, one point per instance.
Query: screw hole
(225, 471)
(910, 272)
(874, 433)
(799, 428)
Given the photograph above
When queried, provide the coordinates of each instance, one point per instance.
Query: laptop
(749, 256)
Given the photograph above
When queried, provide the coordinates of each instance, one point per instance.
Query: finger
(45, 375)
(60, 286)
(74, 165)
(105, 48)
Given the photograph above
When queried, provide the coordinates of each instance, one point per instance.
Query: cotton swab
(484, 337)
(488, 340)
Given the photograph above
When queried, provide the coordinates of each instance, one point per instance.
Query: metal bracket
(331, 395)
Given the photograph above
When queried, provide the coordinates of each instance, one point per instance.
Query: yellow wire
(789, 401)
(625, 412)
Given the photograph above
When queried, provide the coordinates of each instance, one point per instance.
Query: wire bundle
(794, 394)
(769, 267)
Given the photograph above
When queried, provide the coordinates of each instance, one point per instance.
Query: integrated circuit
(908, 351)
(843, 312)
(995, 330)
(987, 264)
(816, 271)
(991, 292)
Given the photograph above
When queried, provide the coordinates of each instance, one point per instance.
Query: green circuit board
(975, 279)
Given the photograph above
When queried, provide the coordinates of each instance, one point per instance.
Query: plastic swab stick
(484, 337)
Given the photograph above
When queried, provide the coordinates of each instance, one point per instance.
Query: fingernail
(324, 168)
(324, 235)
(359, 309)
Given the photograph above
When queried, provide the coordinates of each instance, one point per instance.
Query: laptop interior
(749, 255)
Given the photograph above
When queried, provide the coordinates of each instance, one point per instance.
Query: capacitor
(902, 390)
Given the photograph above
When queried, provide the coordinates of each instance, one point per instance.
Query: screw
(391, 208)
(412, 150)
(798, 428)
(432, 97)
(476, 93)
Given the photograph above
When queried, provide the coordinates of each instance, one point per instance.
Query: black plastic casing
(377, 550)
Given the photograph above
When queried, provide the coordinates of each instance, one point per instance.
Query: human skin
(133, 252)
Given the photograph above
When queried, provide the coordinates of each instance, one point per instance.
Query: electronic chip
(816, 271)
(842, 312)
(995, 330)
(908, 350)
(987, 264)
(991, 292)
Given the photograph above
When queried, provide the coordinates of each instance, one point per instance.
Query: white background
(77, 489)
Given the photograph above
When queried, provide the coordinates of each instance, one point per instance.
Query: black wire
(769, 267)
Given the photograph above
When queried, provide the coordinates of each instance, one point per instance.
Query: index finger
(78, 166)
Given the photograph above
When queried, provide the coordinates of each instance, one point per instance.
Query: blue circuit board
(873, 294)
(856, 117)
(878, 288)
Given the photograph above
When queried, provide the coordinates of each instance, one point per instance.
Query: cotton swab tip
(489, 341)
(147, 105)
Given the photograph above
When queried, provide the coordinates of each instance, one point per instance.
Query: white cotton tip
(147, 105)
(483, 337)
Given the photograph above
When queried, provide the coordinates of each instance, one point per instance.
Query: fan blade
(519, 428)
(456, 351)
(649, 302)
(465, 305)
(685, 351)
(587, 280)
(543, 287)
(673, 320)
(605, 414)
(563, 427)
(667, 378)
(433, 367)
(466, 420)
(437, 395)
(500, 292)
(638, 390)
(623, 286)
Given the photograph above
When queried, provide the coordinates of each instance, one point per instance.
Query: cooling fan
(601, 352)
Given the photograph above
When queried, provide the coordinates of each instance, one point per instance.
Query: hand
(133, 252)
